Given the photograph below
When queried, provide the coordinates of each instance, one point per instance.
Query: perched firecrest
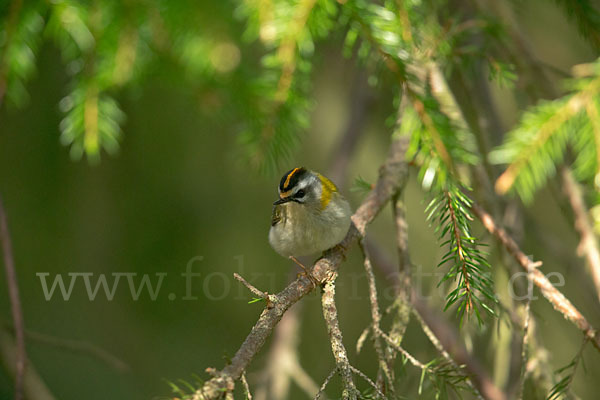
(309, 217)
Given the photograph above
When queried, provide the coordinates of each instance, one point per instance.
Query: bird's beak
(282, 200)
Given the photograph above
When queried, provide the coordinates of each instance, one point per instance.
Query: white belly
(301, 233)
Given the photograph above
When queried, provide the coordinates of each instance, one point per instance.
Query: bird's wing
(276, 216)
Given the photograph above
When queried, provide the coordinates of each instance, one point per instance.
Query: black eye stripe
(300, 193)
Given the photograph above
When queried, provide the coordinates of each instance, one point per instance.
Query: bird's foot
(306, 272)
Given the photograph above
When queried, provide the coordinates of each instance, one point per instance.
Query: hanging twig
(15, 303)
(325, 383)
(369, 381)
(79, 346)
(588, 244)
(400, 349)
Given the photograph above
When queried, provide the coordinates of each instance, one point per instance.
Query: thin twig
(335, 337)
(588, 244)
(551, 293)
(15, 302)
(376, 317)
(325, 383)
(400, 349)
(525, 345)
(368, 380)
(362, 338)
(246, 387)
(269, 298)
(440, 348)
(392, 175)
(444, 331)
(79, 346)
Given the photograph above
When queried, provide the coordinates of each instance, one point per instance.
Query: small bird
(309, 217)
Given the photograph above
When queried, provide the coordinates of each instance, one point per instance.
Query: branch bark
(335, 337)
(392, 175)
(552, 294)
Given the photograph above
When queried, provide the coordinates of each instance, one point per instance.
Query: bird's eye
(300, 193)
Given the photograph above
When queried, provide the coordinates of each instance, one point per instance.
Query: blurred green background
(178, 188)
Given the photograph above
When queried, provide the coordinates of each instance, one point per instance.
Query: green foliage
(503, 74)
(587, 18)
(19, 45)
(183, 389)
(466, 263)
(562, 387)
(539, 142)
(440, 146)
(360, 185)
(444, 379)
(255, 300)
(282, 92)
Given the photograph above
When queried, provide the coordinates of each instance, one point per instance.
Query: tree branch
(588, 245)
(335, 337)
(391, 176)
(376, 317)
(325, 383)
(552, 294)
(15, 303)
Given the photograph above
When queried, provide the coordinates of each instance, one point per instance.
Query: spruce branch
(466, 262)
(587, 18)
(534, 148)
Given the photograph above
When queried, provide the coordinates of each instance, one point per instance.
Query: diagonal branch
(15, 303)
(392, 175)
(552, 294)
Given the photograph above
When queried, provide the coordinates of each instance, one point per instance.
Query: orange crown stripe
(287, 180)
